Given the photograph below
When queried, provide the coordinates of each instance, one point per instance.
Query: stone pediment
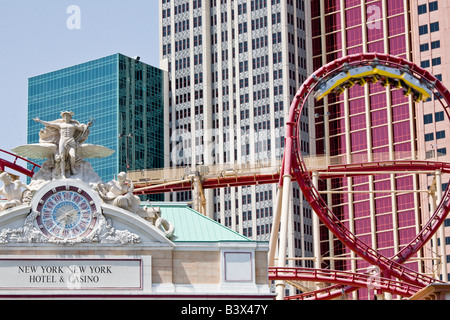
(67, 203)
(51, 210)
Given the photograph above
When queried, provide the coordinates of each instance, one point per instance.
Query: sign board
(74, 273)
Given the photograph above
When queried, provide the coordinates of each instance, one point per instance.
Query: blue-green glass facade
(124, 97)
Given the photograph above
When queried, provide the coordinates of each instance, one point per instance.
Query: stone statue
(120, 193)
(62, 143)
(67, 134)
(12, 191)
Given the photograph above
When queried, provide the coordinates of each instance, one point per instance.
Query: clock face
(66, 213)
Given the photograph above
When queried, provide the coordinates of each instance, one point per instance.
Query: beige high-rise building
(234, 67)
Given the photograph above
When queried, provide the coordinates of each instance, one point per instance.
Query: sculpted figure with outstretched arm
(67, 144)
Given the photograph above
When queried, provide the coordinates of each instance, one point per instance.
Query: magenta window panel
(406, 235)
(316, 28)
(337, 145)
(402, 131)
(404, 202)
(361, 196)
(355, 92)
(379, 177)
(332, 5)
(384, 222)
(378, 101)
(412, 265)
(380, 154)
(377, 46)
(382, 186)
(355, 50)
(383, 205)
(358, 122)
(353, 17)
(332, 98)
(351, 3)
(378, 117)
(406, 218)
(385, 239)
(337, 110)
(404, 182)
(337, 126)
(396, 25)
(397, 97)
(402, 150)
(360, 180)
(362, 226)
(333, 42)
(361, 209)
(395, 7)
(358, 140)
(333, 56)
(317, 46)
(400, 113)
(380, 136)
(333, 22)
(376, 88)
(397, 46)
(357, 105)
(354, 36)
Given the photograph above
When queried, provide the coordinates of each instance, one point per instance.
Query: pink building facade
(374, 123)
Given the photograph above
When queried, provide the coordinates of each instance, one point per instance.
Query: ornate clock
(67, 212)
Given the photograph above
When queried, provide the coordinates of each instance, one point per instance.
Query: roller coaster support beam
(275, 227)
(285, 204)
(316, 229)
(444, 273)
(287, 179)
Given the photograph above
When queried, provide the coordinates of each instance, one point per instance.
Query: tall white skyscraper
(234, 67)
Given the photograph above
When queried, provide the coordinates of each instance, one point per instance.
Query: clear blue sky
(35, 39)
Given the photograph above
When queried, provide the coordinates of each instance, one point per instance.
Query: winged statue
(62, 141)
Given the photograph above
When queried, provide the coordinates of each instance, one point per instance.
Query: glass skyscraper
(124, 97)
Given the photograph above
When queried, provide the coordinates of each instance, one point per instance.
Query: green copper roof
(191, 226)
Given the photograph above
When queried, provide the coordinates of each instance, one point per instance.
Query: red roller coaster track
(16, 167)
(293, 165)
(342, 278)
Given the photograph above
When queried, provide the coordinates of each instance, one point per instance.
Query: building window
(441, 152)
(439, 116)
(429, 136)
(425, 64)
(434, 26)
(433, 6)
(436, 61)
(424, 47)
(422, 9)
(440, 135)
(428, 118)
(435, 44)
(423, 29)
